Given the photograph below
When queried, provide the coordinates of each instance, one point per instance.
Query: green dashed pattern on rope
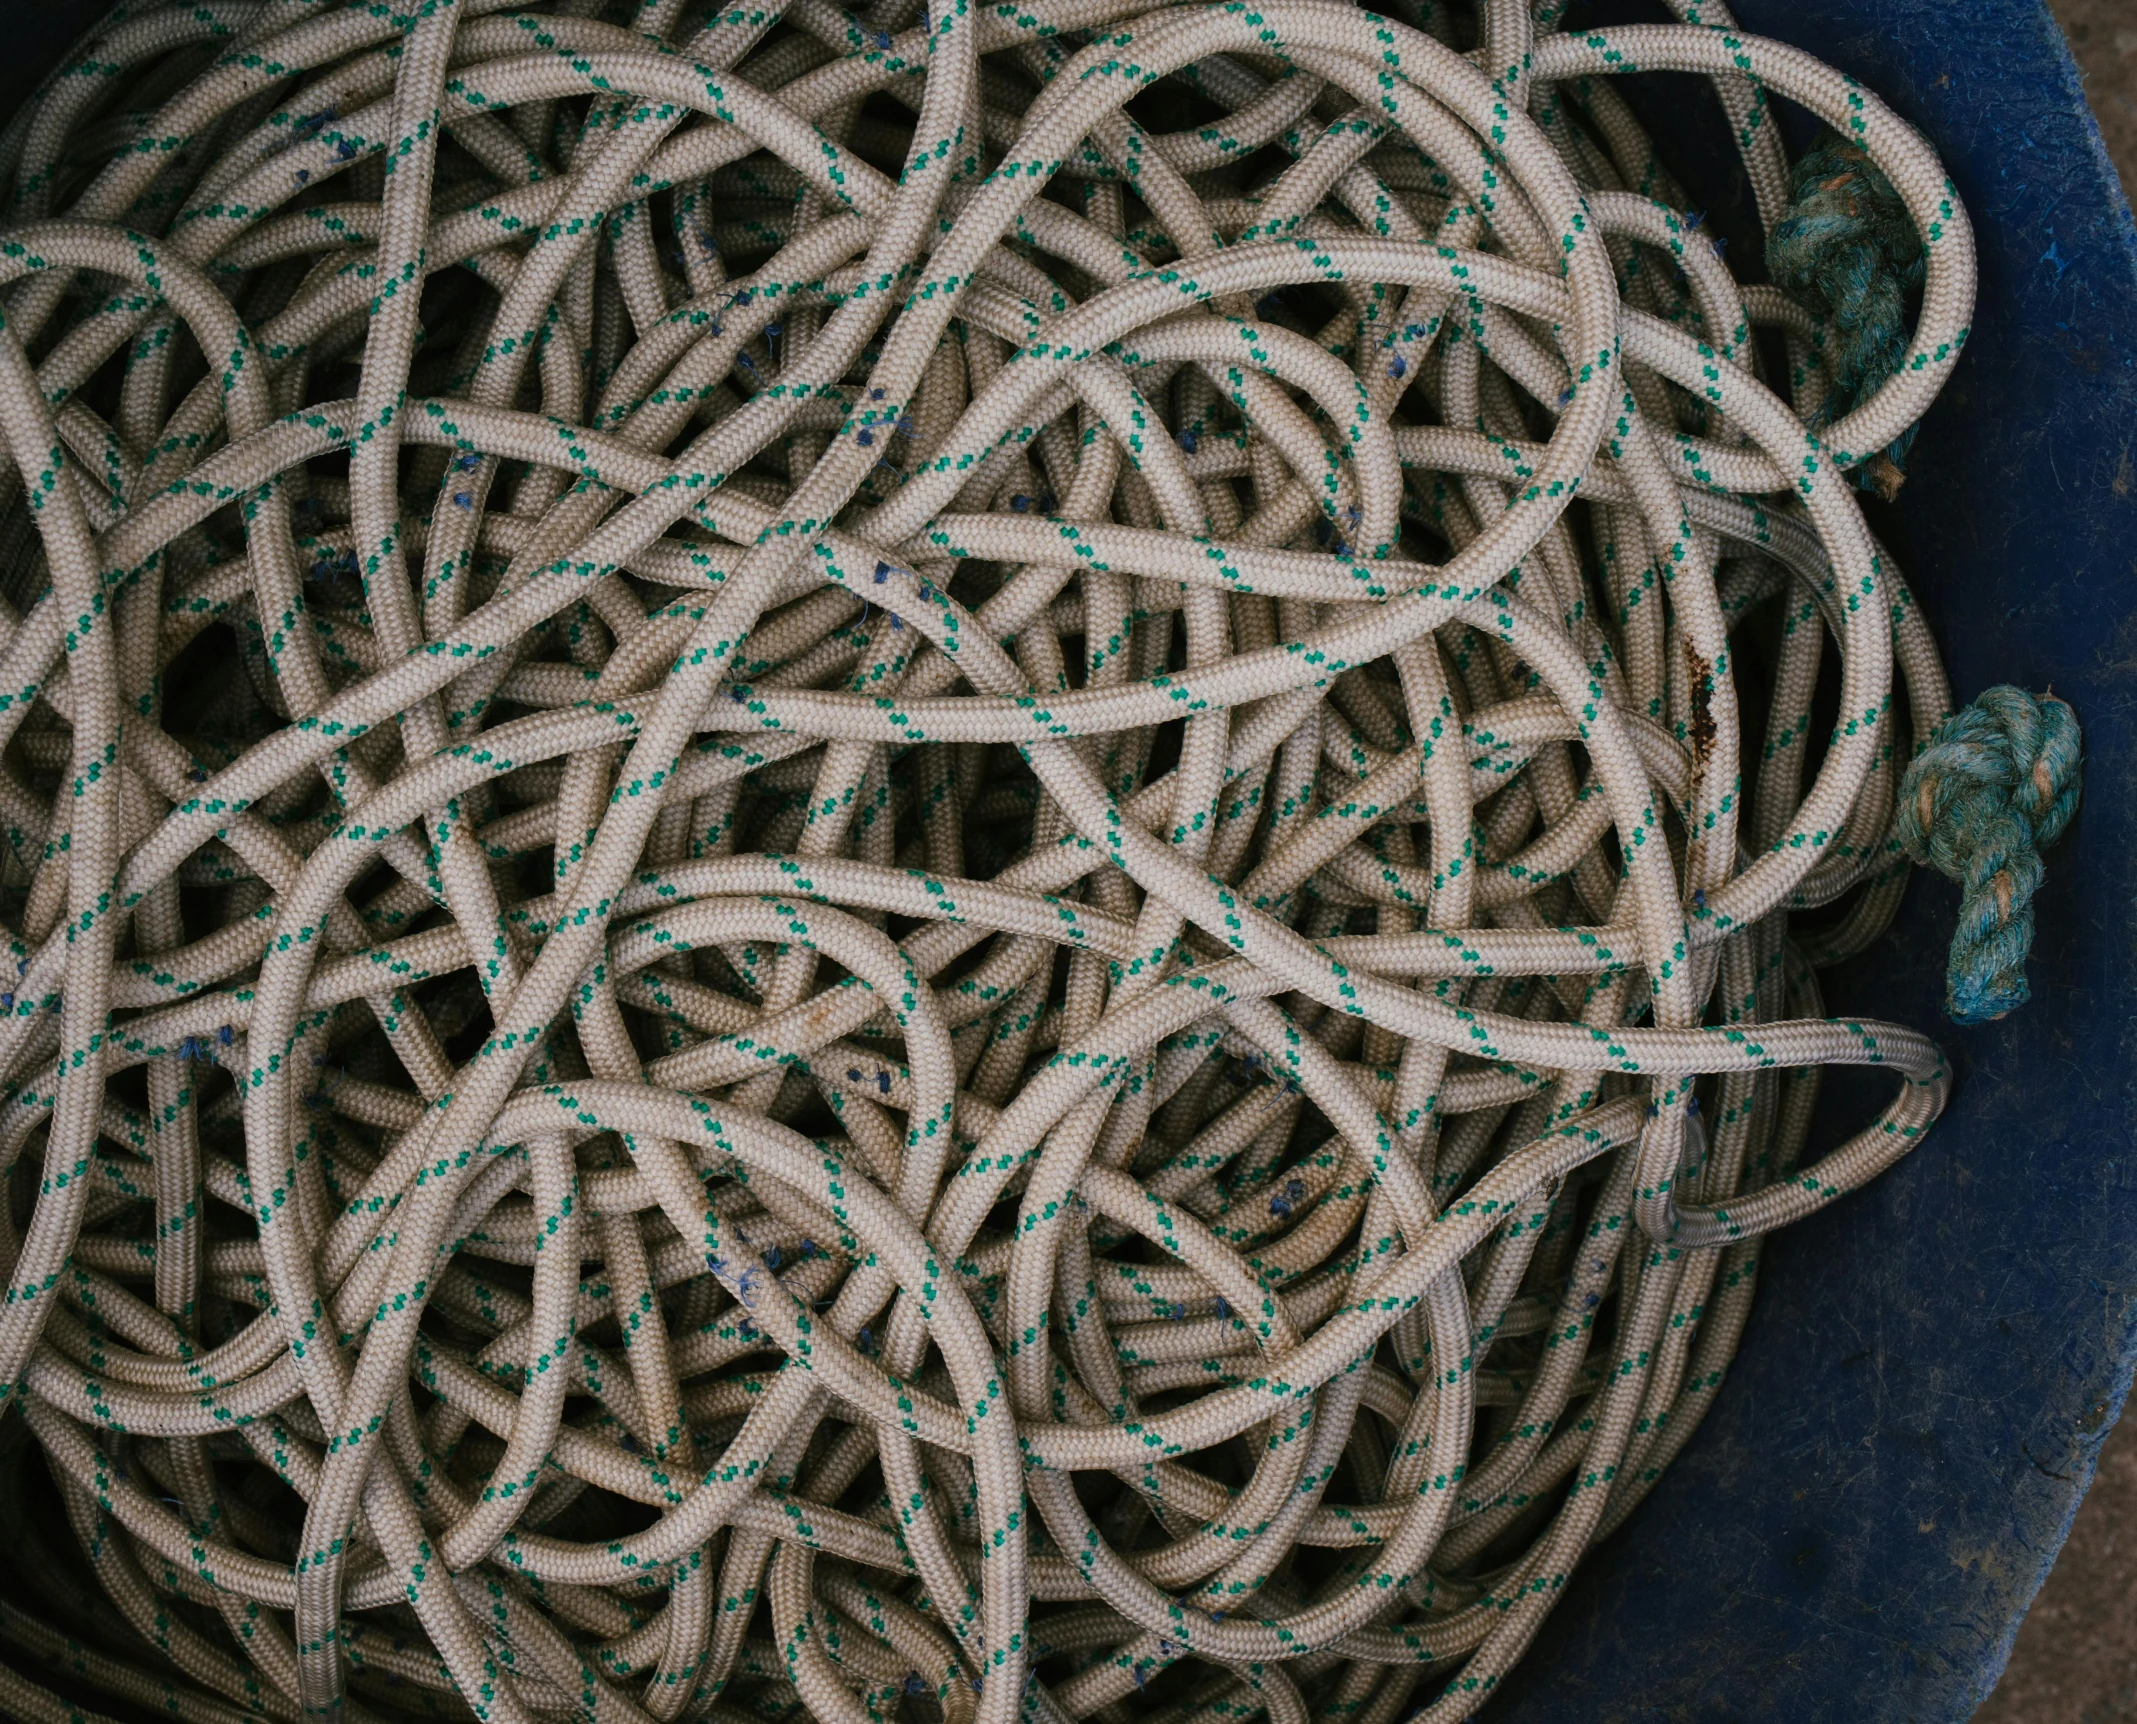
(927, 838)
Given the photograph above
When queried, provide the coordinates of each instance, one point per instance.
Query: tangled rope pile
(907, 863)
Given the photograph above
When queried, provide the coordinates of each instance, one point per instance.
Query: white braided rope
(1097, 821)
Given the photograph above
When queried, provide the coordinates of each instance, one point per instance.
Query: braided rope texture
(906, 863)
(1994, 786)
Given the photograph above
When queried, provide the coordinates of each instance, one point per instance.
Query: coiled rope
(905, 862)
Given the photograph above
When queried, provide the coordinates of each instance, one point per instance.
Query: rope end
(1969, 1001)
(1994, 785)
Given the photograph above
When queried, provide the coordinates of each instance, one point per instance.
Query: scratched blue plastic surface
(1894, 1460)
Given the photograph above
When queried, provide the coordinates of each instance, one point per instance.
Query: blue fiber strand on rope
(1994, 786)
(1848, 251)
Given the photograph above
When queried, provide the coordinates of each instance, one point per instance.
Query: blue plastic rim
(1896, 1455)
(1894, 1461)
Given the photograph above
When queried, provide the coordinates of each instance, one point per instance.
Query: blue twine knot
(1847, 249)
(1994, 786)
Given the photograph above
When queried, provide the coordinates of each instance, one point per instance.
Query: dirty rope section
(911, 863)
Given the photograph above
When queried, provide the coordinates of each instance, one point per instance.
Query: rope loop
(1994, 787)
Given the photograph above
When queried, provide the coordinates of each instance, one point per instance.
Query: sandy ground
(2103, 34)
(2076, 1658)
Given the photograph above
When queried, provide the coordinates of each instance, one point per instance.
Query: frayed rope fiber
(1848, 252)
(1995, 786)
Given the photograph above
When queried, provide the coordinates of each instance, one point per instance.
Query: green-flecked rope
(1995, 785)
(872, 863)
(1846, 248)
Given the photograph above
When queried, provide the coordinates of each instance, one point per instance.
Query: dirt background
(2076, 1658)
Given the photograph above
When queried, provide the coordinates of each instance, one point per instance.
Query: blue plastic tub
(1894, 1460)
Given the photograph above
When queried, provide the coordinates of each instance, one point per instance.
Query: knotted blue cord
(1848, 251)
(1994, 787)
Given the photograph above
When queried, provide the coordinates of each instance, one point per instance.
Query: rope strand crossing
(907, 861)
